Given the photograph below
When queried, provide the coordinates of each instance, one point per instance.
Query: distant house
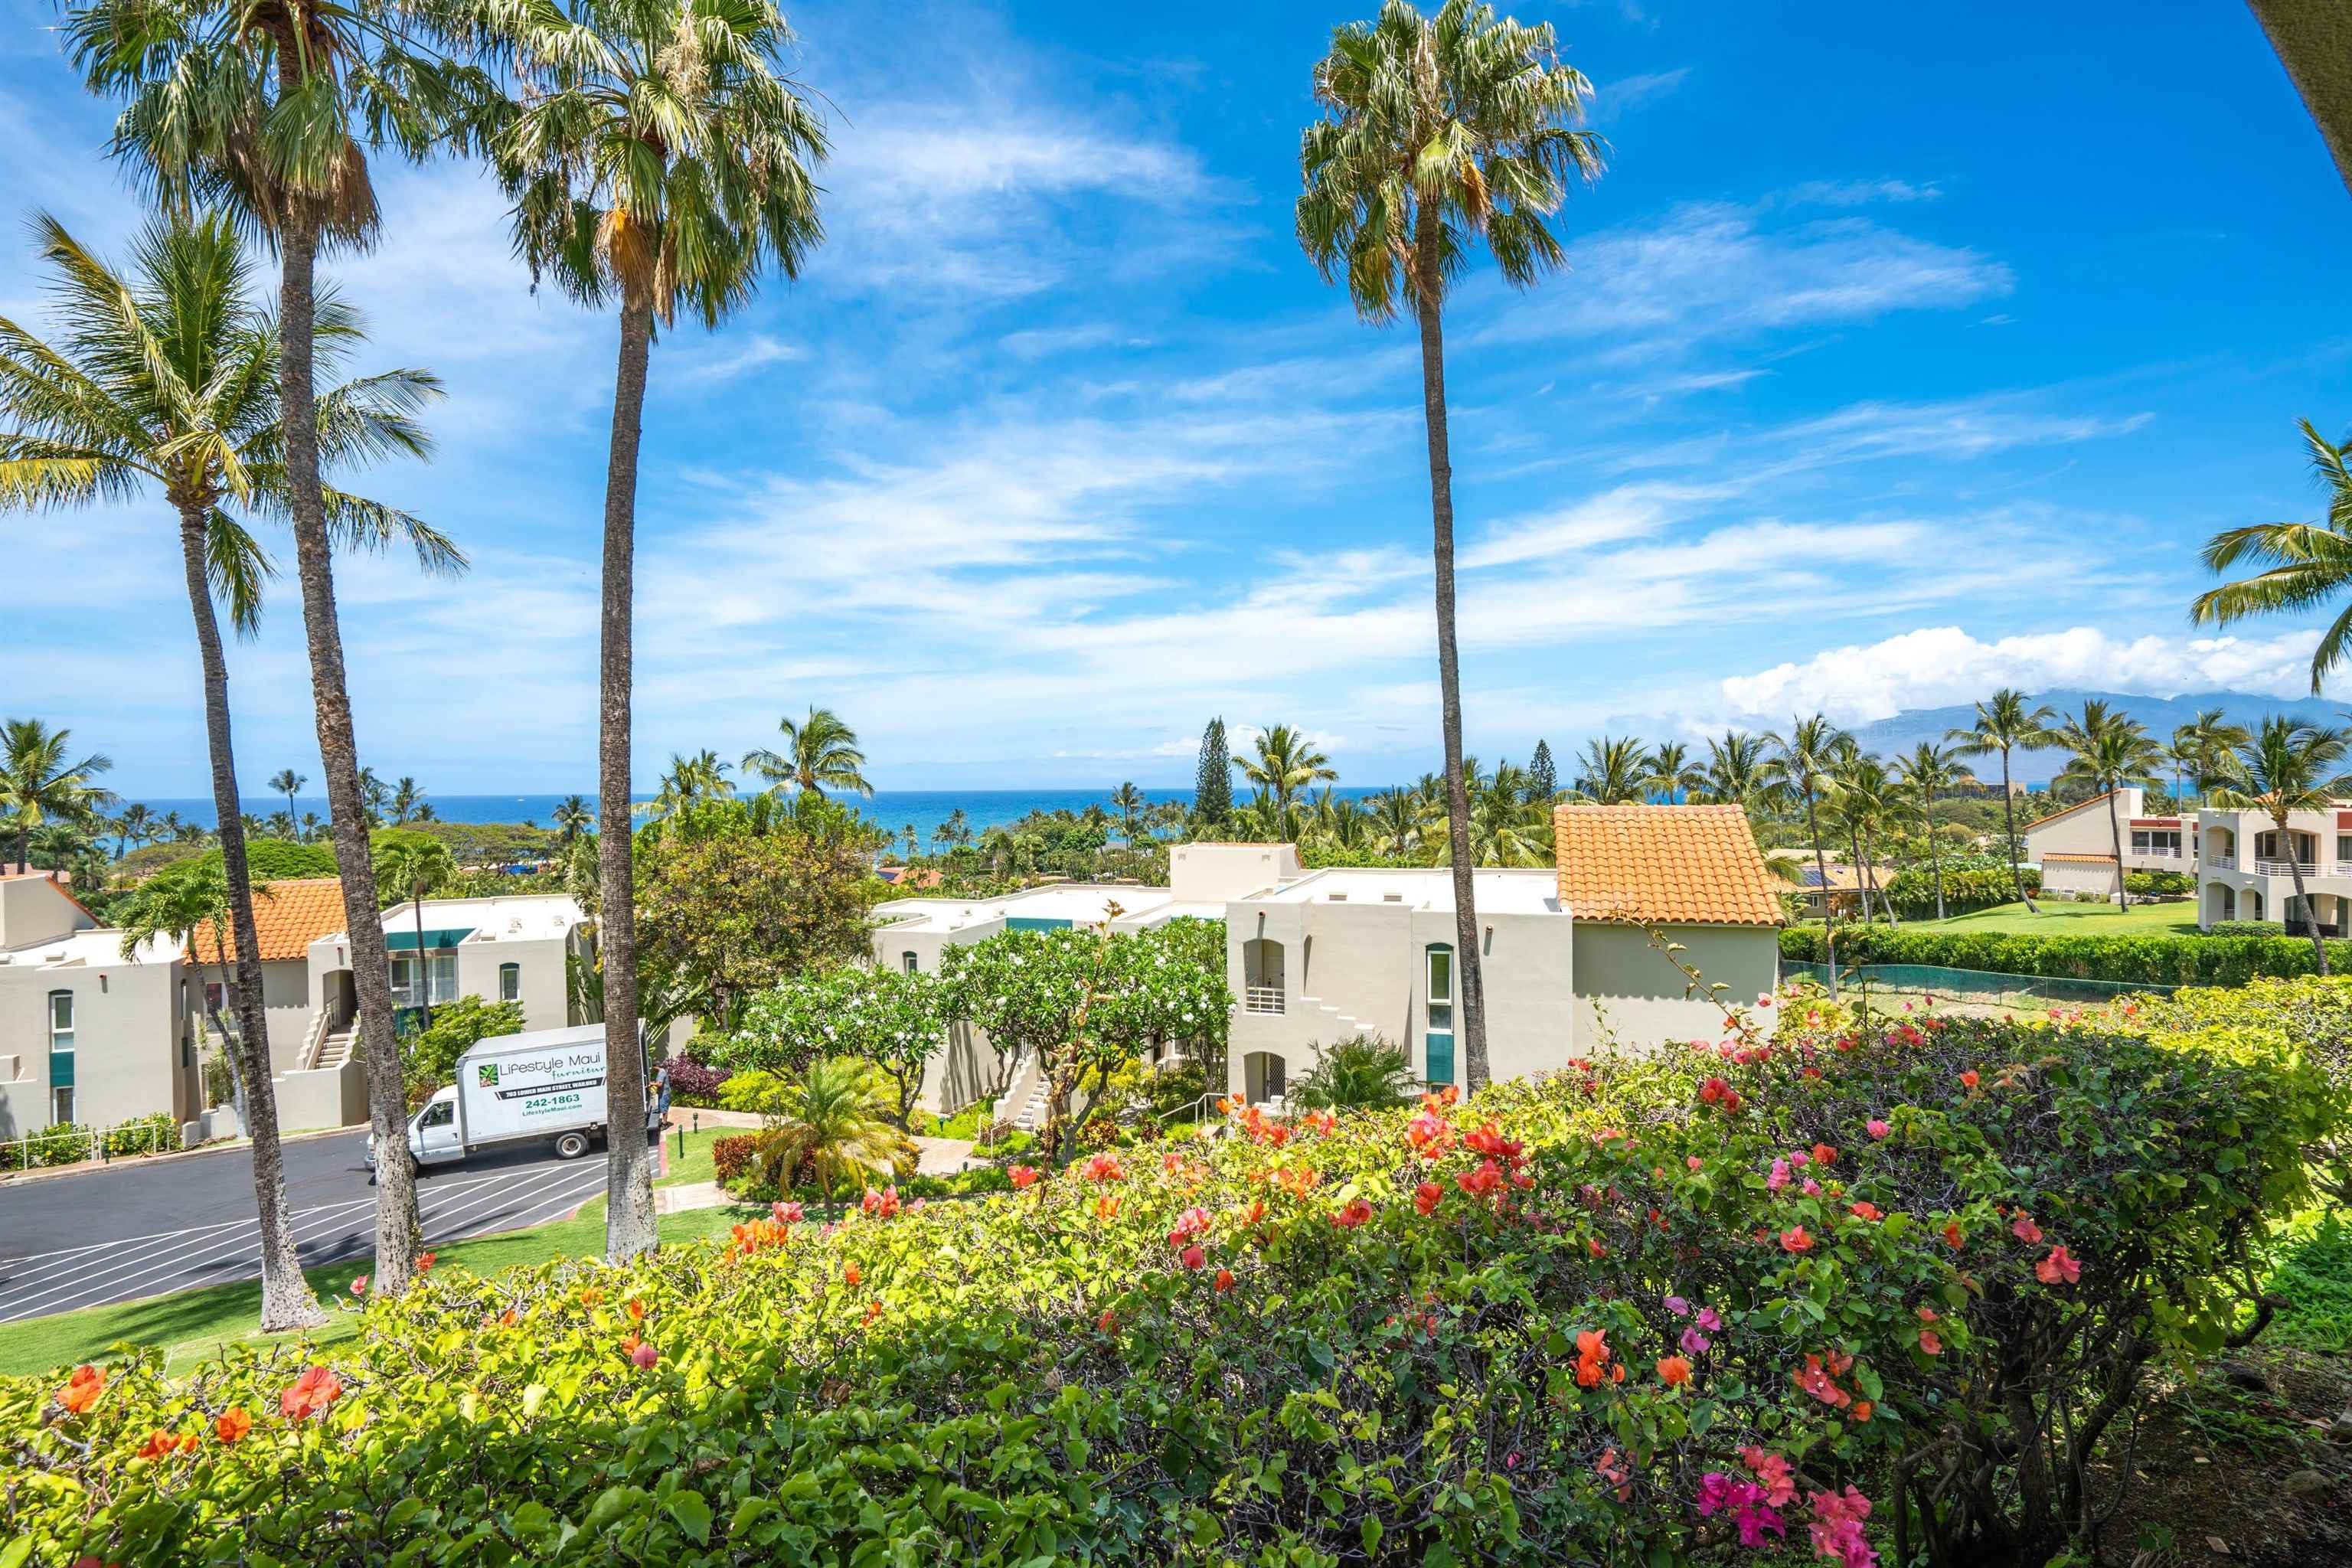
(2075, 846)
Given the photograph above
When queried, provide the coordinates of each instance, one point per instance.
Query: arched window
(1262, 987)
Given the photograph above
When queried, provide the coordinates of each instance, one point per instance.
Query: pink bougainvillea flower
(359, 1285)
(1427, 1196)
(1105, 1167)
(1837, 1527)
(1931, 1342)
(1794, 1239)
(1771, 1472)
(81, 1390)
(1811, 1189)
(1798, 1157)
(1192, 1258)
(1192, 1222)
(311, 1394)
(1708, 1319)
(2060, 1265)
(645, 1354)
(1679, 1307)
(1021, 1175)
(1693, 1342)
(1779, 1177)
(1694, 1163)
(1877, 1128)
(785, 1213)
(2024, 1229)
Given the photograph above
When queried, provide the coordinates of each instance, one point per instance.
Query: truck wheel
(571, 1145)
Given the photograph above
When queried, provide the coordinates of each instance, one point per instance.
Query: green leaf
(693, 1516)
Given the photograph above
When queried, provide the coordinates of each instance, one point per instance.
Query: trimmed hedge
(1975, 887)
(2149, 959)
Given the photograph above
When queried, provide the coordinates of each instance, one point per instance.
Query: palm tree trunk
(629, 1226)
(1935, 852)
(286, 1299)
(2115, 828)
(2310, 915)
(1829, 898)
(396, 1228)
(1468, 978)
(2009, 816)
(424, 970)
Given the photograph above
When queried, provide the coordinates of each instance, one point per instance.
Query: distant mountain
(2162, 715)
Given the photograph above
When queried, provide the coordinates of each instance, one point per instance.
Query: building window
(907, 963)
(1437, 1041)
(438, 979)
(510, 982)
(61, 1056)
(61, 1106)
(2343, 848)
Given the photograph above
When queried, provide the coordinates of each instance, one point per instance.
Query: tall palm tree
(1672, 773)
(1128, 802)
(1613, 772)
(253, 105)
(574, 817)
(1285, 762)
(2308, 564)
(312, 829)
(287, 783)
(1738, 772)
(1930, 771)
(412, 865)
(2106, 751)
(1438, 132)
(820, 753)
(2285, 767)
(41, 780)
(407, 800)
(2207, 744)
(1800, 762)
(375, 798)
(1397, 816)
(134, 826)
(2008, 722)
(658, 157)
(1866, 803)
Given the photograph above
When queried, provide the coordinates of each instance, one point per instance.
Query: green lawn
(2075, 919)
(193, 1324)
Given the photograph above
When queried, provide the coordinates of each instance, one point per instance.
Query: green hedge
(1975, 887)
(2151, 960)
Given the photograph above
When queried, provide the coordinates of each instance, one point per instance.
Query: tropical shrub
(156, 1133)
(1359, 1074)
(895, 1018)
(1871, 1292)
(2246, 928)
(1965, 888)
(2163, 960)
(63, 1143)
(429, 1056)
(733, 1159)
(2152, 884)
(693, 1082)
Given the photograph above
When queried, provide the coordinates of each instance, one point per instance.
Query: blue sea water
(892, 809)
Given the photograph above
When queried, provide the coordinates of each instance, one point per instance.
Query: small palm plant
(2288, 767)
(1358, 1074)
(834, 1123)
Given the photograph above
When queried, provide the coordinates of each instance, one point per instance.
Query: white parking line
(561, 1203)
(217, 1254)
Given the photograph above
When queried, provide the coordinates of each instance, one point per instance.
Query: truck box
(541, 1084)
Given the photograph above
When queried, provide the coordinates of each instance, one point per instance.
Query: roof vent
(1391, 897)
(1338, 897)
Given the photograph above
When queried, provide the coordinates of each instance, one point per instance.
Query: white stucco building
(2075, 846)
(2247, 867)
(1315, 958)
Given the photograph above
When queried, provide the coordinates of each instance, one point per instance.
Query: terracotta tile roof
(2086, 859)
(287, 918)
(1675, 865)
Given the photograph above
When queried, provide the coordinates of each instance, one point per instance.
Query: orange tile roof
(2087, 859)
(1675, 865)
(287, 917)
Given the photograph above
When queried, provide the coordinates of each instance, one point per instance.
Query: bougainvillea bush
(1820, 1293)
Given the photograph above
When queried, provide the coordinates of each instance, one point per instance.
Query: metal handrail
(2286, 868)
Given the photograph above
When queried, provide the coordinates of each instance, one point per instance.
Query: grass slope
(2073, 920)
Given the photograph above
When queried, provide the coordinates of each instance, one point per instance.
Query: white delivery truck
(513, 1089)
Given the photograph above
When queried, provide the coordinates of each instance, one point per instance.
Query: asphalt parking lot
(142, 1228)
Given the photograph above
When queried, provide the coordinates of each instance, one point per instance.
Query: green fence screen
(1969, 985)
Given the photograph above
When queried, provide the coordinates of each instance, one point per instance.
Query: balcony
(1262, 999)
(2161, 852)
(2221, 862)
(2286, 868)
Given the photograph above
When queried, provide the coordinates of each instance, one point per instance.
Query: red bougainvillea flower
(2024, 1229)
(1192, 1222)
(1487, 1178)
(1427, 1196)
(785, 1213)
(1593, 1245)
(1612, 1468)
(424, 1263)
(851, 1274)
(1878, 1128)
(359, 1285)
(1952, 1236)
(81, 1390)
(1862, 1410)
(1968, 1078)
(1107, 1323)
(310, 1394)
(233, 1425)
(1820, 1379)
(1253, 1214)
(158, 1443)
(2059, 1266)
(1865, 1210)
(1824, 1154)
(1794, 1239)
(1105, 1167)
(1225, 1280)
(645, 1354)
(1022, 1176)
(1674, 1370)
(1591, 1356)
(1358, 1211)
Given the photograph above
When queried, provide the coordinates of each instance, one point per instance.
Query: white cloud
(1939, 665)
(758, 351)
(1858, 193)
(1616, 99)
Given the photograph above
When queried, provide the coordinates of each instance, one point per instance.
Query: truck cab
(433, 1135)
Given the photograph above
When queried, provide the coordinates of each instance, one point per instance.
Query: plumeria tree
(894, 1018)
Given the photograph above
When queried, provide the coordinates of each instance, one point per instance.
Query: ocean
(892, 809)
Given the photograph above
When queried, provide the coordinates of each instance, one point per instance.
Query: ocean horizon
(924, 810)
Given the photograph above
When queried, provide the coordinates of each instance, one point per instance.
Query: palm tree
(407, 798)
(1931, 770)
(574, 817)
(1397, 819)
(820, 753)
(135, 827)
(2207, 744)
(1801, 761)
(2006, 725)
(1738, 772)
(1439, 131)
(1286, 762)
(1865, 803)
(658, 157)
(40, 780)
(2309, 563)
(1613, 772)
(2108, 750)
(253, 107)
(375, 798)
(2285, 767)
(958, 827)
(313, 829)
(1672, 773)
(281, 824)
(175, 905)
(834, 1121)
(421, 866)
(287, 783)
(1128, 802)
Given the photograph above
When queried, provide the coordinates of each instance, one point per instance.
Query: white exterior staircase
(1344, 1025)
(334, 1050)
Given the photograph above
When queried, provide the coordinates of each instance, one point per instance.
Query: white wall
(1628, 991)
(128, 1059)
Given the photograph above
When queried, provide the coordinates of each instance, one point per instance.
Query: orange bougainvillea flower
(2024, 1229)
(1865, 1210)
(423, 1262)
(1591, 1356)
(1861, 1411)
(591, 1296)
(1107, 1207)
(851, 1274)
(2060, 1265)
(1427, 1196)
(1823, 1155)
(1968, 1078)
(158, 1443)
(81, 1390)
(233, 1425)
(873, 1311)
(507, 1318)
(1224, 1279)
(1105, 1167)
(1358, 1211)
(1952, 1235)
(1794, 1239)
(311, 1394)
(1021, 1175)
(1674, 1370)
(1107, 1323)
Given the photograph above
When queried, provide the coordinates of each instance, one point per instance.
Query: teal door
(1437, 1044)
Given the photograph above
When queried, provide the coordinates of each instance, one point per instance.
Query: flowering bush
(694, 1082)
(1870, 1293)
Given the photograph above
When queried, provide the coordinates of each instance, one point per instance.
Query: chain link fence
(1975, 986)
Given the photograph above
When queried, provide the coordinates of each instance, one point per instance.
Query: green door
(1437, 1044)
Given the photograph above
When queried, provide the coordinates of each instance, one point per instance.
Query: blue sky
(1904, 352)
